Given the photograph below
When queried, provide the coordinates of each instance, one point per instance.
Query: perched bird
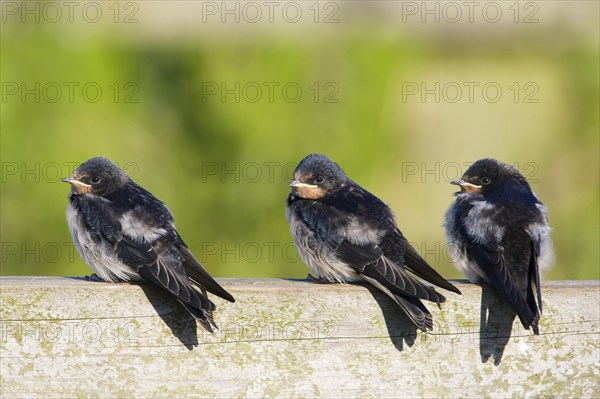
(124, 233)
(498, 233)
(346, 234)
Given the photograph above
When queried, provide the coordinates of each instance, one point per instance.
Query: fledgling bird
(124, 233)
(498, 233)
(346, 234)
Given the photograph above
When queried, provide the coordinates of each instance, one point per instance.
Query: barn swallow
(498, 233)
(346, 234)
(124, 233)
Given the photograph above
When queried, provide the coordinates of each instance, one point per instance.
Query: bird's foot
(94, 277)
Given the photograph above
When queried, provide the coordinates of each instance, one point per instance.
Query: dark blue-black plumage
(124, 233)
(345, 234)
(498, 233)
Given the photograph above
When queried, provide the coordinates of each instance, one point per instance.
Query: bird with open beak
(498, 233)
(124, 233)
(346, 234)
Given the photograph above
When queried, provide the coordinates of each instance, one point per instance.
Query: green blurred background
(210, 106)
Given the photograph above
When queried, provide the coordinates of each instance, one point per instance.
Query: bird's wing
(166, 273)
(354, 235)
(194, 298)
(362, 231)
(358, 256)
(104, 224)
(534, 271)
(157, 259)
(514, 284)
(412, 307)
(200, 276)
(98, 217)
(414, 262)
(370, 261)
(392, 280)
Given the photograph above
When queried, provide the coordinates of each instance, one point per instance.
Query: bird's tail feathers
(529, 320)
(530, 317)
(528, 301)
(194, 298)
(411, 306)
(416, 312)
(203, 316)
(525, 308)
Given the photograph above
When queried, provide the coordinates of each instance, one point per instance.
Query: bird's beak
(466, 187)
(298, 184)
(78, 187)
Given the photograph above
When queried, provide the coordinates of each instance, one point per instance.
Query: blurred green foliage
(222, 164)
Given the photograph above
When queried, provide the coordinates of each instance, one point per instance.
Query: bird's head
(488, 175)
(99, 176)
(316, 176)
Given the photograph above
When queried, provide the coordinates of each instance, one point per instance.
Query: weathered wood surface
(66, 337)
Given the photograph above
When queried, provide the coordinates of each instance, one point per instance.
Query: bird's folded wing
(416, 264)
(534, 271)
(136, 254)
(489, 258)
(103, 223)
(99, 218)
(158, 262)
(200, 276)
(358, 256)
(161, 274)
(370, 261)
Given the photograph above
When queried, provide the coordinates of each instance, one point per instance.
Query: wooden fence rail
(67, 337)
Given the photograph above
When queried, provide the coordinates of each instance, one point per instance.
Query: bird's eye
(95, 179)
(319, 179)
(485, 180)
